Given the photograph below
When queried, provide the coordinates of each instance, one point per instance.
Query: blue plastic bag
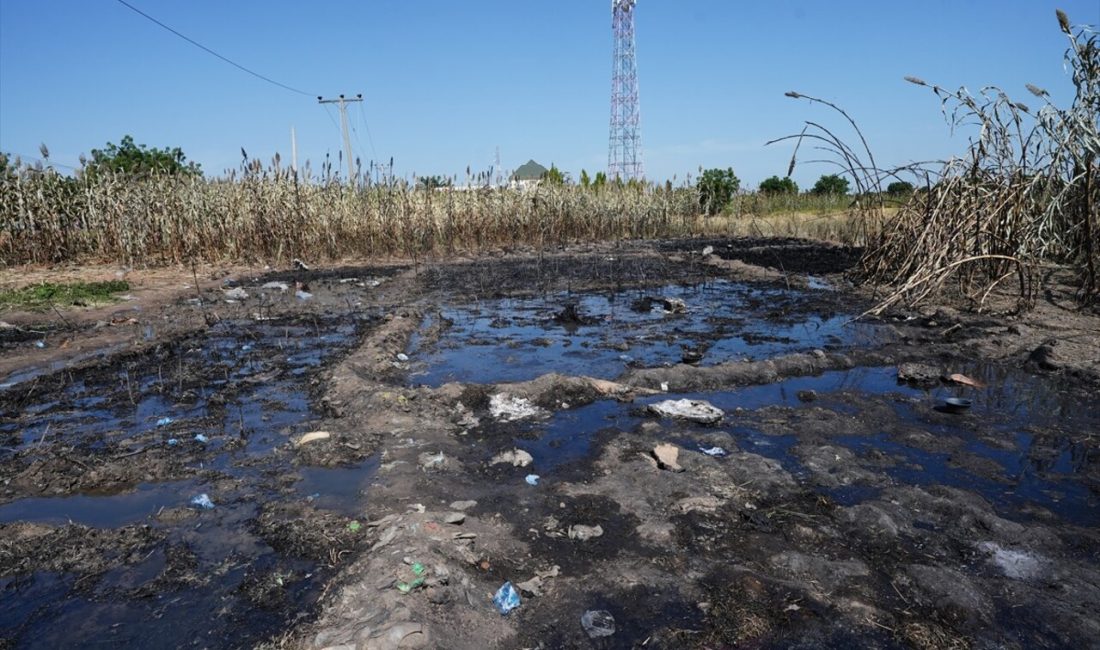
(506, 598)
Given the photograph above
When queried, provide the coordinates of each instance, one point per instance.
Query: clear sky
(446, 83)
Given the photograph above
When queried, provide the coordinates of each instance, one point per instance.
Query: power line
(363, 118)
(330, 117)
(45, 161)
(210, 51)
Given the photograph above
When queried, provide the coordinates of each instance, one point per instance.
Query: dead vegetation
(1022, 198)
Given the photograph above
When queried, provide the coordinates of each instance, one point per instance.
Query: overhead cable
(210, 51)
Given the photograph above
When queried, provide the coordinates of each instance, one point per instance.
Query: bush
(555, 176)
(776, 185)
(899, 188)
(831, 184)
(716, 189)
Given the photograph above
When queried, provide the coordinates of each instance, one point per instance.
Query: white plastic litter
(532, 479)
(515, 457)
(507, 407)
(1014, 564)
(713, 451)
(236, 293)
(275, 286)
(202, 501)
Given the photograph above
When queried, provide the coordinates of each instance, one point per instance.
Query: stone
(584, 533)
(462, 505)
(948, 590)
(688, 409)
(454, 518)
(918, 374)
(668, 457)
(1045, 357)
(430, 462)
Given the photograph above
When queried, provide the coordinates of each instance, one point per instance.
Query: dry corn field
(268, 215)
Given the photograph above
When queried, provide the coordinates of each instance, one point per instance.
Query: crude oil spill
(602, 334)
(1018, 447)
(123, 446)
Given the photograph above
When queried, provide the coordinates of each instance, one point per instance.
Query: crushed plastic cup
(532, 479)
(39, 344)
(598, 623)
(303, 295)
(201, 438)
(164, 421)
(713, 451)
(506, 598)
(202, 501)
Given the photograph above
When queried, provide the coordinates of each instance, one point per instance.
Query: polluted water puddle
(105, 511)
(1017, 447)
(337, 489)
(195, 416)
(602, 334)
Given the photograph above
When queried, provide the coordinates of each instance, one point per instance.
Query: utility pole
(293, 152)
(343, 102)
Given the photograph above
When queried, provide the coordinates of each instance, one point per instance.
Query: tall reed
(1024, 195)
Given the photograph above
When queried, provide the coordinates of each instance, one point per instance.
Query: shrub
(831, 184)
(899, 188)
(776, 185)
(716, 189)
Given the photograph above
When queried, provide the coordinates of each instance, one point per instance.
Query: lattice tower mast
(624, 156)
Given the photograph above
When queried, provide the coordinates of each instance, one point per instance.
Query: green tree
(716, 189)
(555, 176)
(585, 180)
(831, 184)
(899, 188)
(599, 181)
(129, 158)
(776, 185)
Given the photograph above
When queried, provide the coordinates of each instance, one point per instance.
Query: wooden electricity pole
(343, 102)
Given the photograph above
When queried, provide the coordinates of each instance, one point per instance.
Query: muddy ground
(492, 420)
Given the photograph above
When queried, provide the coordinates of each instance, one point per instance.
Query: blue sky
(446, 83)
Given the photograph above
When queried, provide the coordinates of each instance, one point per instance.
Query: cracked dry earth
(654, 447)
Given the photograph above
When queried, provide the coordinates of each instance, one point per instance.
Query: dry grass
(841, 226)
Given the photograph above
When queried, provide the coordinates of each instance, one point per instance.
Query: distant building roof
(529, 171)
